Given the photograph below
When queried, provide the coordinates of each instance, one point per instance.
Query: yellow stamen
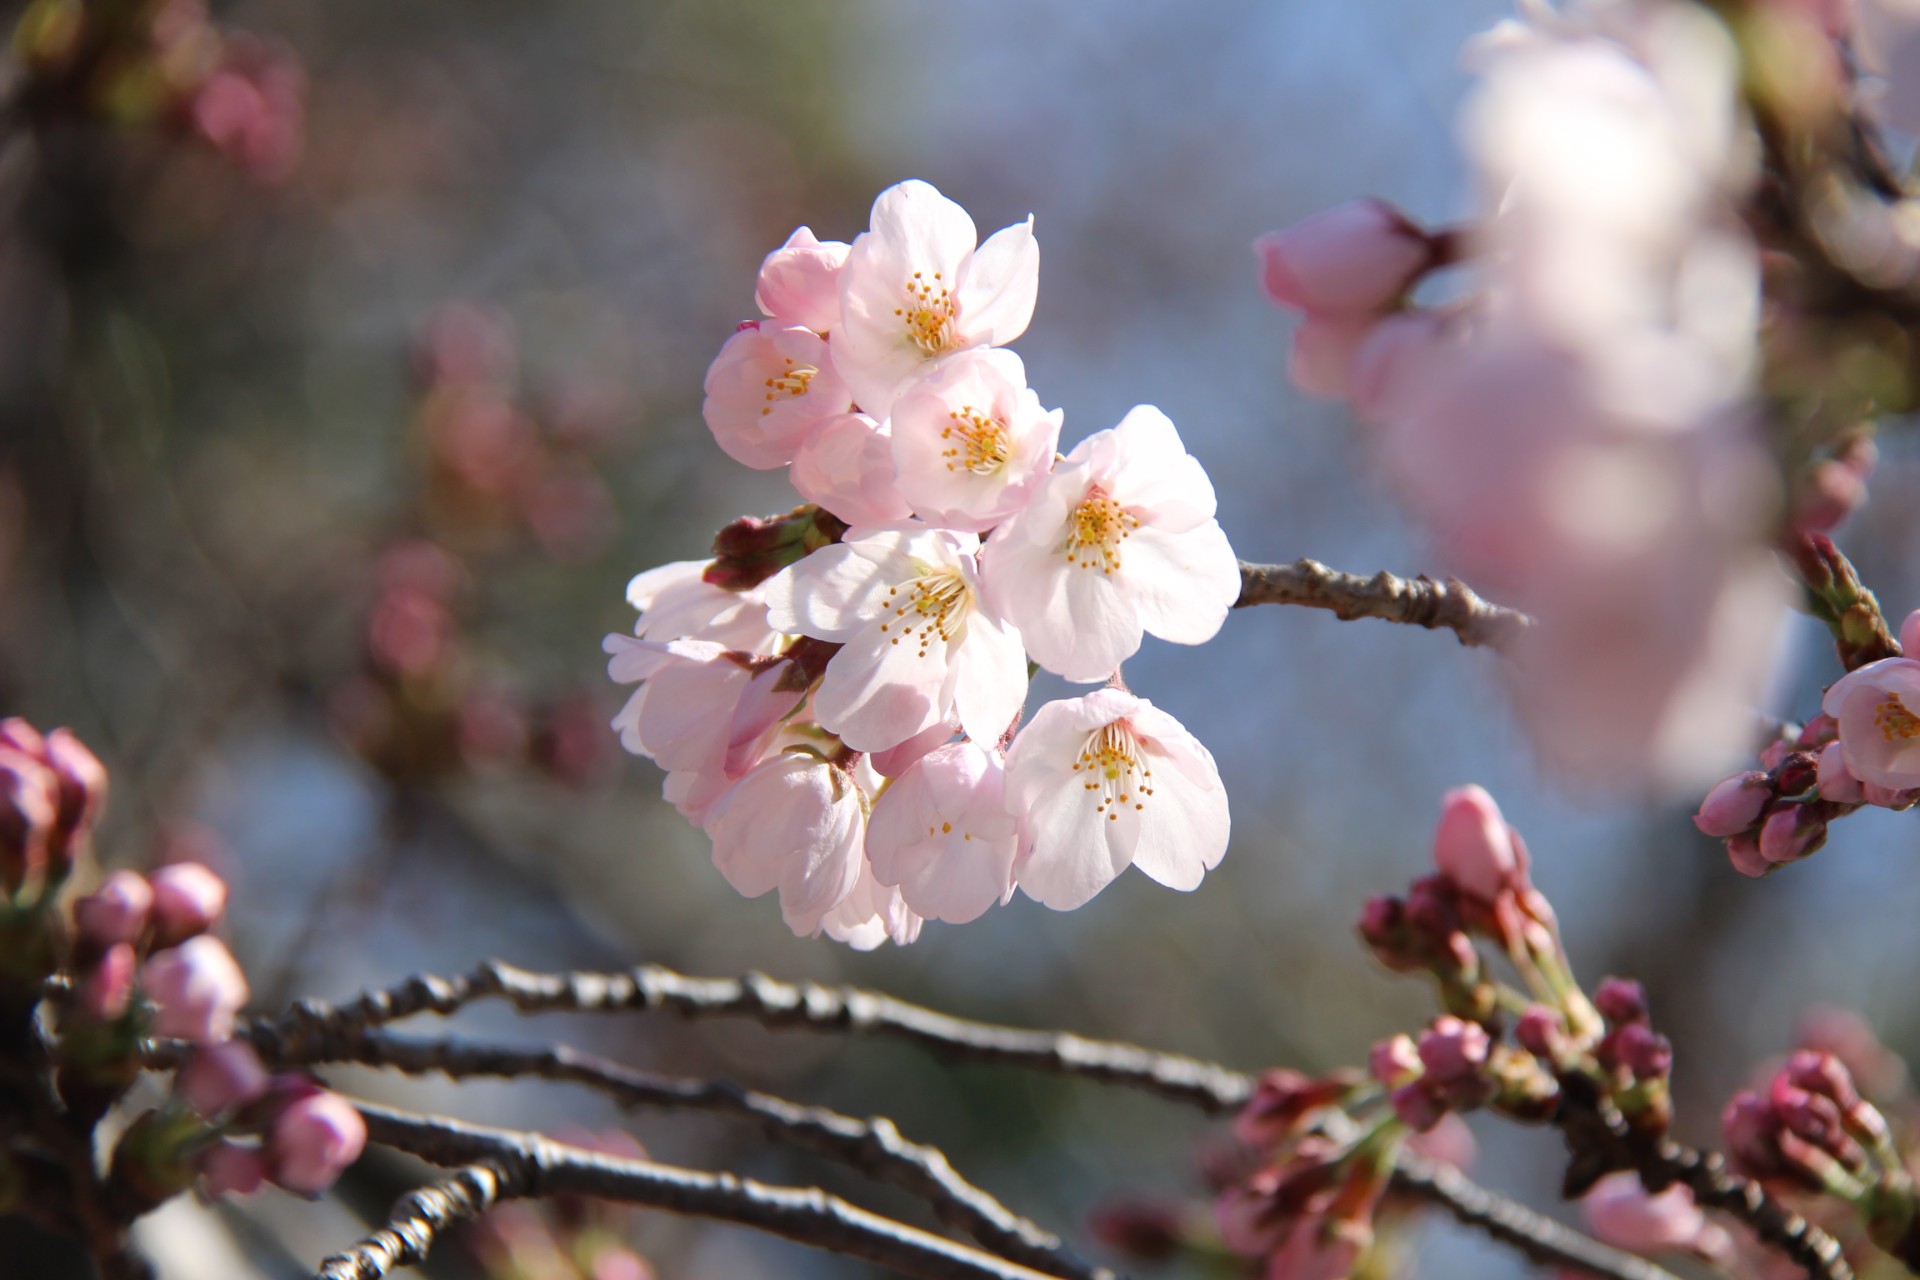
(1095, 530)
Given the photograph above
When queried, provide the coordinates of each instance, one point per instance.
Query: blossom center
(791, 381)
(980, 443)
(1110, 763)
(934, 605)
(1895, 722)
(1095, 530)
(928, 314)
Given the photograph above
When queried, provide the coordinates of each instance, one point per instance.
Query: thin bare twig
(1420, 602)
(419, 1218)
(874, 1146)
(533, 1165)
(772, 1003)
(1539, 1239)
(1210, 1087)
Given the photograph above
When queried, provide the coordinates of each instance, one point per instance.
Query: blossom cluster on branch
(837, 697)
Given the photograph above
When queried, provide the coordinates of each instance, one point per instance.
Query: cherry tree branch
(1420, 602)
(1537, 1238)
(531, 1165)
(419, 1218)
(310, 1025)
(873, 1146)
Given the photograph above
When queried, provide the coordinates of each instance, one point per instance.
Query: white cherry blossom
(942, 832)
(919, 647)
(915, 287)
(1120, 538)
(797, 824)
(970, 440)
(870, 915)
(1109, 781)
(846, 466)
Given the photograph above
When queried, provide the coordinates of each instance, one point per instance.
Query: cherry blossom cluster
(1832, 1131)
(1862, 749)
(837, 697)
(136, 958)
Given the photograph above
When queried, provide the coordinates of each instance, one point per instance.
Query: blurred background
(350, 364)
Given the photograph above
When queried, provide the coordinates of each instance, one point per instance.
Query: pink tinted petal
(1391, 361)
(832, 593)
(768, 391)
(998, 286)
(847, 467)
(877, 692)
(1085, 631)
(313, 1142)
(1155, 477)
(800, 282)
(1910, 633)
(990, 684)
(895, 761)
(1184, 828)
(943, 835)
(1075, 852)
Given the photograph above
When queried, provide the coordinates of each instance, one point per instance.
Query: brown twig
(1420, 602)
(772, 1003)
(532, 1165)
(419, 1218)
(1209, 1087)
(874, 1146)
(1539, 1239)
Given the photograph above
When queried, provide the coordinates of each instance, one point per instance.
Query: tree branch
(533, 1165)
(1420, 602)
(309, 1026)
(874, 1146)
(1539, 1239)
(772, 1003)
(418, 1220)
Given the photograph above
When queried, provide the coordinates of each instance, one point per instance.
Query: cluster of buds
(232, 1126)
(499, 477)
(1481, 889)
(1863, 749)
(166, 62)
(1809, 1129)
(1348, 272)
(838, 696)
(133, 959)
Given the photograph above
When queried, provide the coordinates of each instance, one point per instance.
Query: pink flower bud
(29, 808)
(1390, 362)
(1393, 1060)
(221, 1078)
(115, 912)
(1744, 853)
(1910, 634)
(1324, 349)
(1281, 1099)
(800, 282)
(1734, 804)
(1542, 1032)
(846, 466)
(1352, 260)
(188, 899)
(1791, 833)
(1474, 847)
(1833, 781)
(1417, 1105)
(1621, 1001)
(83, 782)
(106, 992)
(1453, 1049)
(1152, 1230)
(1817, 732)
(197, 990)
(1752, 1131)
(229, 1169)
(1646, 1054)
(1774, 752)
(313, 1142)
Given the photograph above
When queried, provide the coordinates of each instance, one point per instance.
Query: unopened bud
(313, 1141)
(115, 912)
(1394, 1060)
(1734, 804)
(197, 990)
(1790, 833)
(221, 1078)
(753, 548)
(1542, 1032)
(1620, 1001)
(1474, 847)
(188, 899)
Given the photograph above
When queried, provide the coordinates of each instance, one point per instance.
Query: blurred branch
(772, 1003)
(873, 1146)
(529, 1164)
(1600, 1142)
(1420, 602)
(418, 1219)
